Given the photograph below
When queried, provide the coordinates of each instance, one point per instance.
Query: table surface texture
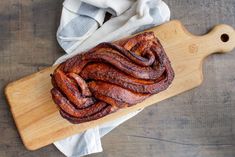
(200, 122)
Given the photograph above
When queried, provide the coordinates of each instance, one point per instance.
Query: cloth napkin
(83, 26)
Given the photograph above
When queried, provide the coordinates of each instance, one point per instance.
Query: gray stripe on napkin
(78, 26)
(88, 10)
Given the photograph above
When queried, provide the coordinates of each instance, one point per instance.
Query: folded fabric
(82, 27)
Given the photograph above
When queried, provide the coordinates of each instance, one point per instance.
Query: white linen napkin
(82, 27)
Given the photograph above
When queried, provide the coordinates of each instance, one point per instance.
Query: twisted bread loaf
(111, 76)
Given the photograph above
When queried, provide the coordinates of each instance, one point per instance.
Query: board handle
(220, 39)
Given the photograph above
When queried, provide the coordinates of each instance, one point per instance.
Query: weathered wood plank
(203, 117)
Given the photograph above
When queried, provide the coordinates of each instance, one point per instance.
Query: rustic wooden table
(200, 122)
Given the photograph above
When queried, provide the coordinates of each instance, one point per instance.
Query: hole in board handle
(224, 37)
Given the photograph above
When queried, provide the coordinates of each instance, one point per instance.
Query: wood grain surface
(197, 123)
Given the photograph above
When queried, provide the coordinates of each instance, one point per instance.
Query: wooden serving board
(39, 122)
